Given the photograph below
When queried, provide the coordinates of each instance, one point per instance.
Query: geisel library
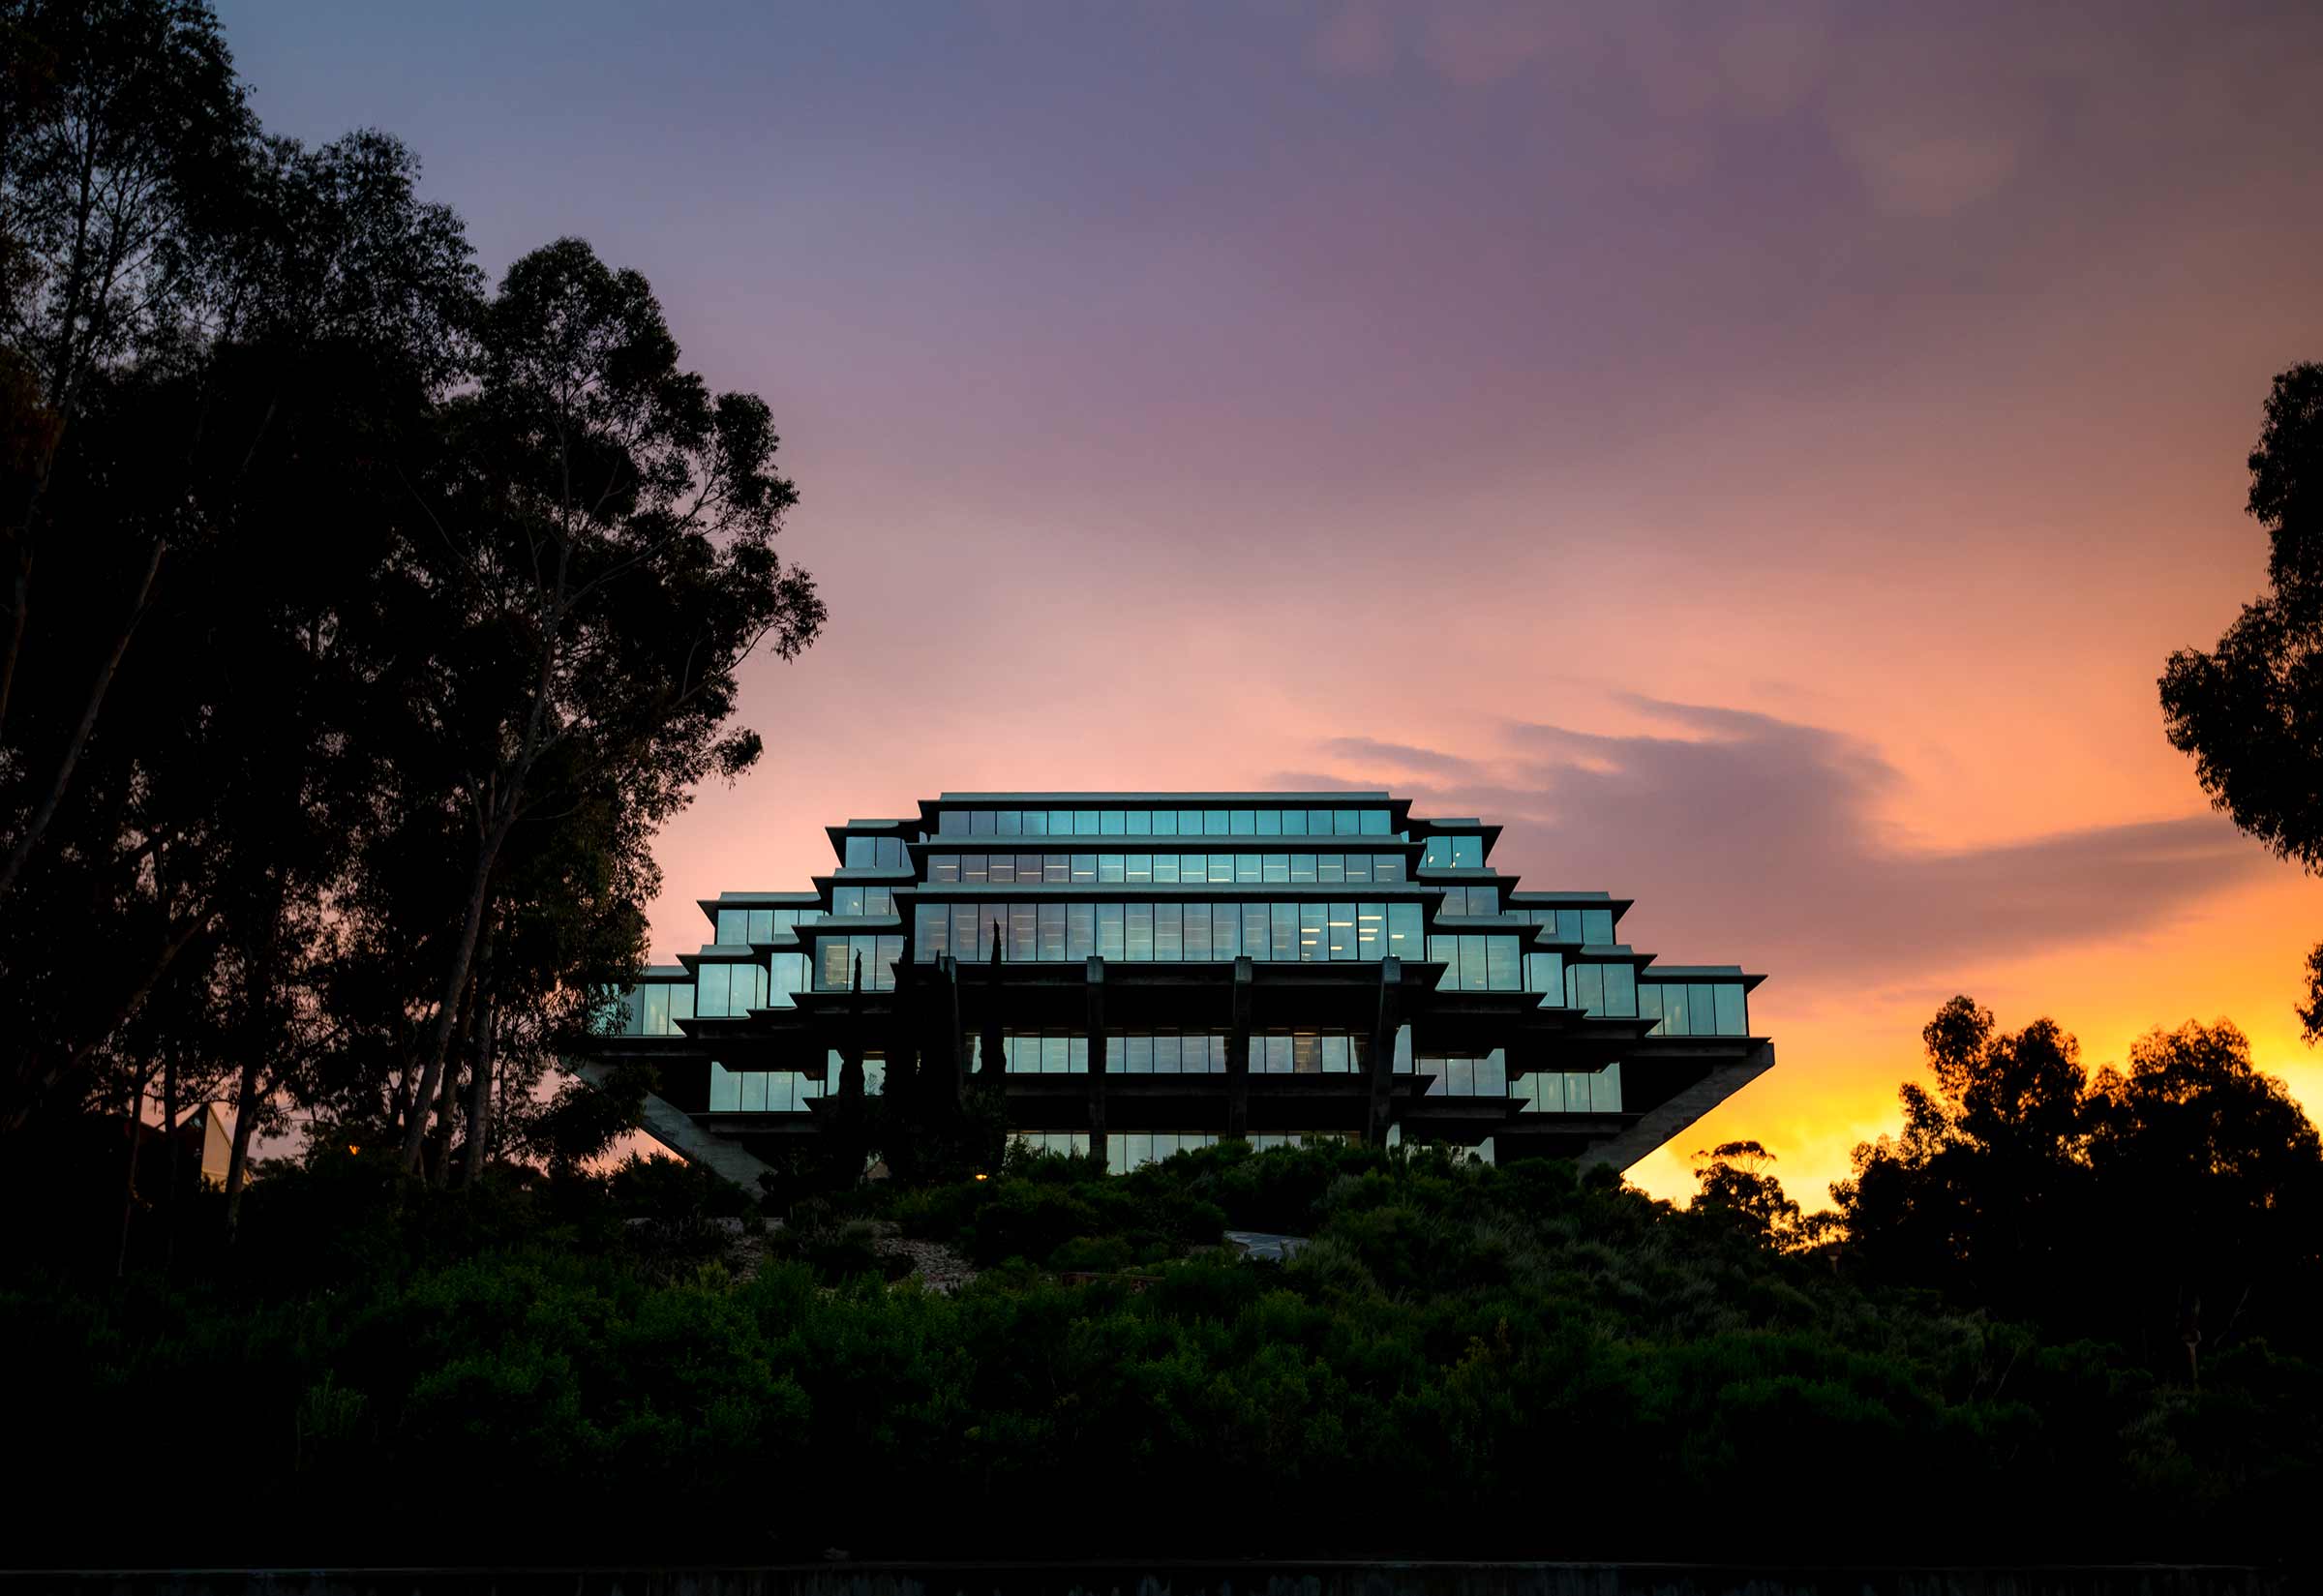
(1148, 972)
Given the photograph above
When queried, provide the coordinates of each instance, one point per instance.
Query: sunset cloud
(1744, 835)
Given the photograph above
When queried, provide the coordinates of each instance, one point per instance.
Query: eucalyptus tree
(2251, 711)
(605, 531)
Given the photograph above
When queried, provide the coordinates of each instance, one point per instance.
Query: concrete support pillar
(954, 1049)
(1238, 1054)
(992, 1066)
(851, 1044)
(1097, 1060)
(1383, 1048)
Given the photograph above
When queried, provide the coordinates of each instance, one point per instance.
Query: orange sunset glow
(1763, 462)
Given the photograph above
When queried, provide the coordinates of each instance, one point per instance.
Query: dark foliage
(2175, 1208)
(361, 626)
(2250, 712)
(1465, 1361)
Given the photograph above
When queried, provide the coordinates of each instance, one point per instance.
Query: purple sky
(1761, 454)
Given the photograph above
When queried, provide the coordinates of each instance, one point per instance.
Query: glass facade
(875, 854)
(1476, 962)
(1129, 880)
(1163, 823)
(1284, 931)
(1694, 1008)
(1244, 867)
(1572, 1090)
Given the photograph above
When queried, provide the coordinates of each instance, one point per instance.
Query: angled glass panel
(1140, 933)
(1080, 930)
(1108, 931)
(1169, 931)
(1732, 1020)
(711, 983)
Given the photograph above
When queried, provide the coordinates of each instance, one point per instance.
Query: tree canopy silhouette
(363, 626)
(2251, 711)
(2176, 1200)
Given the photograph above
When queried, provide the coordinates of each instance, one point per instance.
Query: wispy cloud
(1743, 835)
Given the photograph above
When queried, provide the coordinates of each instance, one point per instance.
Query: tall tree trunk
(436, 1163)
(19, 606)
(129, 1181)
(35, 1079)
(464, 953)
(47, 812)
(479, 1089)
(258, 1004)
(170, 1168)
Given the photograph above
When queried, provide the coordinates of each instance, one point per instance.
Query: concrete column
(1238, 1054)
(1383, 1048)
(1097, 1060)
(992, 1066)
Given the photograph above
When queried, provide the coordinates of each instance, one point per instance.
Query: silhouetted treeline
(362, 623)
(2172, 1208)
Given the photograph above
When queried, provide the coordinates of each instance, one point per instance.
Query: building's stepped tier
(1159, 971)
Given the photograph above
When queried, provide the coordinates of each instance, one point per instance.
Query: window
(1403, 931)
(1108, 931)
(1169, 931)
(734, 927)
(711, 989)
(1312, 928)
(1140, 932)
(1727, 1004)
